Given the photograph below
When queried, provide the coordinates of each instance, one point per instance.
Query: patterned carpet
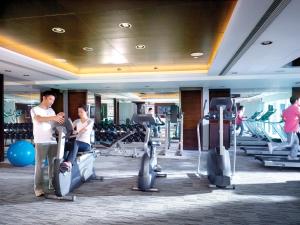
(262, 196)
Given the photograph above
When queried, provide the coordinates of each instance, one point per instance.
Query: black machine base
(219, 168)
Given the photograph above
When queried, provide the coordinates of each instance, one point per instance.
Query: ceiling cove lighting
(58, 30)
(140, 46)
(266, 42)
(197, 54)
(88, 49)
(125, 25)
(61, 60)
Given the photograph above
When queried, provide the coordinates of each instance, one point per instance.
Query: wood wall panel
(191, 106)
(75, 99)
(214, 125)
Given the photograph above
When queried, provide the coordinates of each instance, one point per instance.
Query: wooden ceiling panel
(171, 30)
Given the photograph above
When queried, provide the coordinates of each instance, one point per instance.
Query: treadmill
(274, 148)
(278, 161)
(253, 136)
(260, 144)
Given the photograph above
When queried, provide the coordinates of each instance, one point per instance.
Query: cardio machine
(65, 182)
(149, 169)
(277, 160)
(219, 171)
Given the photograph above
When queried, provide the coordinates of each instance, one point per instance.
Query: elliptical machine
(65, 182)
(219, 172)
(149, 169)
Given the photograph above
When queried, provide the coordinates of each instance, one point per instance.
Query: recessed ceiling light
(58, 30)
(125, 25)
(155, 68)
(61, 60)
(8, 71)
(266, 42)
(140, 46)
(197, 54)
(88, 49)
(26, 75)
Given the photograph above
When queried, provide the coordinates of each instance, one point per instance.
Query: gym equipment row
(275, 151)
(109, 133)
(17, 131)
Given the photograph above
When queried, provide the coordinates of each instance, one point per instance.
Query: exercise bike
(82, 170)
(149, 169)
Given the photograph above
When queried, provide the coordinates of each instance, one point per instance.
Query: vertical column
(116, 111)
(75, 99)
(1, 118)
(97, 108)
(214, 126)
(65, 104)
(191, 106)
(296, 91)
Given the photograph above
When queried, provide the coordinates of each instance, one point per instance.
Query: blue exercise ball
(21, 153)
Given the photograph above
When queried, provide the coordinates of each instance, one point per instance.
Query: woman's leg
(83, 147)
(73, 153)
(242, 129)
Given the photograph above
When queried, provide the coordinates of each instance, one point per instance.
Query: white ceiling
(284, 32)
(258, 68)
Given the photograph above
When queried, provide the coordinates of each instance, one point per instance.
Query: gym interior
(185, 104)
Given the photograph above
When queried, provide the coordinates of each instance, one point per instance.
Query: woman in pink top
(239, 119)
(291, 117)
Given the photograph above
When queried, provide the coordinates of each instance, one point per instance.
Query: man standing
(43, 118)
(291, 118)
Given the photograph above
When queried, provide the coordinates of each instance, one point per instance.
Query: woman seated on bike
(82, 129)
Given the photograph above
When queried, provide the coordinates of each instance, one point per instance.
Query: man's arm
(59, 118)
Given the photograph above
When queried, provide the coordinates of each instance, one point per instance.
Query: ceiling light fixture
(266, 42)
(88, 49)
(156, 68)
(140, 46)
(195, 57)
(197, 54)
(58, 30)
(125, 25)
